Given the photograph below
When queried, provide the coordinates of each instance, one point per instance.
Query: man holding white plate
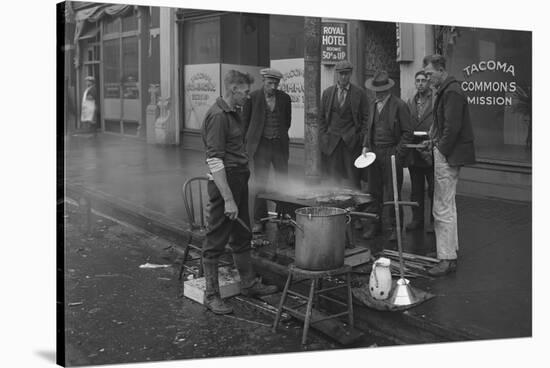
(388, 133)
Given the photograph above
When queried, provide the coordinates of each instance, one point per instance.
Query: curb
(401, 328)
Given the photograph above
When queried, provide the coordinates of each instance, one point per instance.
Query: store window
(495, 71)
(202, 41)
(121, 75)
(286, 37)
(213, 45)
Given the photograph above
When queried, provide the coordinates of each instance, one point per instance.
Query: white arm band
(214, 164)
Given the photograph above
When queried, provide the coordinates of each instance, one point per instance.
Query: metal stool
(315, 292)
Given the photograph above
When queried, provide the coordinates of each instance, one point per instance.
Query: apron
(88, 108)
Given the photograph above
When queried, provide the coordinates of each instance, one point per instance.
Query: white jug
(380, 279)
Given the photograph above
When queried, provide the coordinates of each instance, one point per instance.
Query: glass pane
(155, 16)
(111, 68)
(154, 61)
(130, 127)
(130, 67)
(494, 68)
(286, 37)
(129, 22)
(202, 41)
(112, 126)
(111, 25)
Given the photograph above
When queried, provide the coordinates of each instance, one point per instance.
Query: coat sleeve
(215, 136)
(365, 142)
(247, 114)
(288, 111)
(364, 111)
(405, 125)
(322, 121)
(452, 121)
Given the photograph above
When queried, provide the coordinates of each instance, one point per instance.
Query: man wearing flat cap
(388, 131)
(343, 115)
(267, 116)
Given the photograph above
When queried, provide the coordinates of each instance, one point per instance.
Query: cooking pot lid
(365, 160)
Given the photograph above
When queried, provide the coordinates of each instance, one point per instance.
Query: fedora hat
(379, 82)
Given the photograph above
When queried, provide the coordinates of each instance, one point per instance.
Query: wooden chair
(195, 200)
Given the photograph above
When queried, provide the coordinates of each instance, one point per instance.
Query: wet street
(117, 312)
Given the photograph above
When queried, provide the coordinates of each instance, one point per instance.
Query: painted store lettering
(334, 40)
(489, 65)
(333, 30)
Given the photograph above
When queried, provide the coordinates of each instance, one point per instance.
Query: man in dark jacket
(452, 139)
(343, 114)
(267, 116)
(421, 167)
(388, 131)
(223, 137)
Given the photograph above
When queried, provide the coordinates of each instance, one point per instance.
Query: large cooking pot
(321, 237)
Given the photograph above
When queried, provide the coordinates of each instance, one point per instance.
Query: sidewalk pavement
(489, 297)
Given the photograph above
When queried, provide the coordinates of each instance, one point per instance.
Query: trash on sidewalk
(229, 280)
(75, 304)
(152, 265)
(247, 320)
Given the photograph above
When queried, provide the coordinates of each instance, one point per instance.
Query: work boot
(212, 298)
(250, 284)
(372, 231)
(444, 267)
(414, 225)
(257, 288)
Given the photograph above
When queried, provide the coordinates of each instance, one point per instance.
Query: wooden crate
(230, 285)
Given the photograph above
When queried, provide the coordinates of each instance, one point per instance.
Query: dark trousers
(420, 174)
(221, 229)
(380, 184)
(340, 168)
(270, 152)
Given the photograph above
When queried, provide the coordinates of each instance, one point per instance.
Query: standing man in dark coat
(267, 116)
(421, 168)
(223, 137)
(343, 114)
(388, 131)
(452, 139)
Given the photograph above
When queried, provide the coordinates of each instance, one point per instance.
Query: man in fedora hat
(267, 116)
(343, 115)
(388, 130)
(452, 140)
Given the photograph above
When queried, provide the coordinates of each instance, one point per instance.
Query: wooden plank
(358, 258)
(333, 328)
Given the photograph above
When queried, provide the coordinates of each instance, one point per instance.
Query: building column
(166, 125)
(312, 86)
(422, 44)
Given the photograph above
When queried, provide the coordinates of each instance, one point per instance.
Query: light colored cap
(271, 73)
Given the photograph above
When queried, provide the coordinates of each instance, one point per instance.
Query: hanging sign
(334, 42)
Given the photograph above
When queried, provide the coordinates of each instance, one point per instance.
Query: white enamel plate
(364, 160)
